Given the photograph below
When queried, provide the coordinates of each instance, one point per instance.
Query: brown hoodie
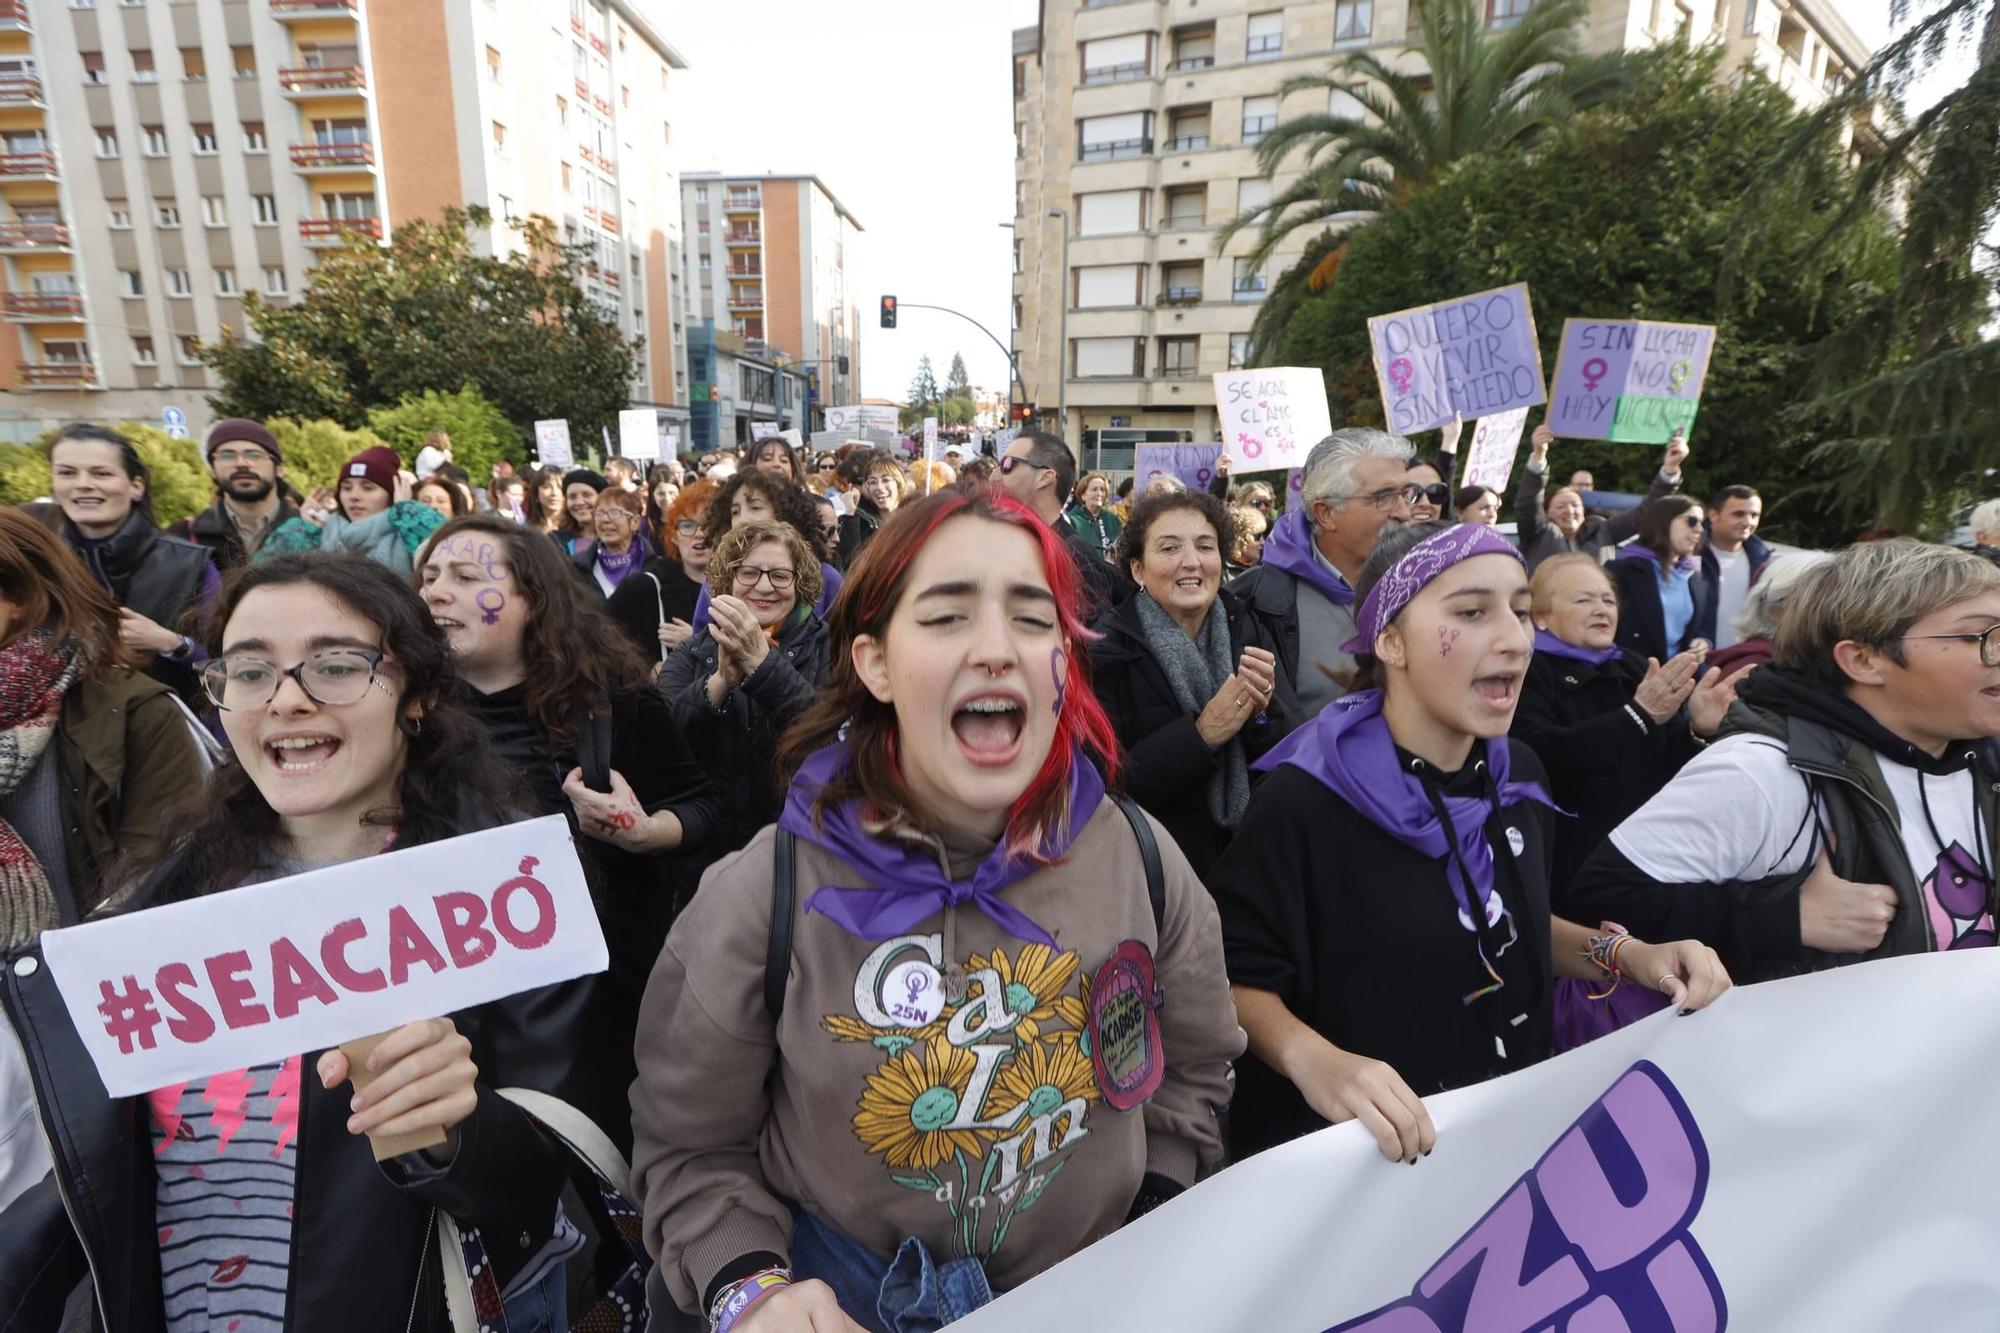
(887, 1110)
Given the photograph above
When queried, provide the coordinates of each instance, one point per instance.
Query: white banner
(235, 979)
(639, 434)
(552, 444)
(1496, 439)
(931, 439)
(1271, 418)
(1812, 1154)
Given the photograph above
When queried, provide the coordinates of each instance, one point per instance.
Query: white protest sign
(1496, 439)
(846, 418)
(931, 438)
(1271, 418)
(639, 434)
(552, 444)
(1803, 1156)
(256, 974)
(761, 431)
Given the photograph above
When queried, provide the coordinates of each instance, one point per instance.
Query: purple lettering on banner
(1593, 1239)
(1194, 464)
(1472, 356)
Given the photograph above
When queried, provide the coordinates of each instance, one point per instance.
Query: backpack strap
(1149, 853)
(784, 908)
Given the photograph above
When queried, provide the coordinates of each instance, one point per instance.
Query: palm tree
(1487, 89)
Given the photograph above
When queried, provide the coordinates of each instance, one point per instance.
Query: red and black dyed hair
(868, 599)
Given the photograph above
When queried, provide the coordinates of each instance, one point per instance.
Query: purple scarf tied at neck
(1419, 565)
(1290, 548)
(1546, 642)
(617, 567)
(906, 885)
(1348, 748)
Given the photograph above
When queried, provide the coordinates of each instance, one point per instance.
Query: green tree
(24, 474)
(1903, 393)
(1627, 212)
(480, 433)
(430, 312)
(924, 394)
(314, 450)
(956, 383)
(1487, 90)
(957, 411)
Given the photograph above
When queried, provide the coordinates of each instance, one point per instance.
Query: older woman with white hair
(1985, 524)
(1303, 593)
(1757, 623)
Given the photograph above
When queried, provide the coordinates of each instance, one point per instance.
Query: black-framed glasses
(749, 576)
(1988, 641)
(1388, 497)
(333, 677)
(1261, 502)
(1693, 520)
(1436, 493)
(1011, 461)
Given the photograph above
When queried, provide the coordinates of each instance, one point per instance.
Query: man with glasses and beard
(249, 470)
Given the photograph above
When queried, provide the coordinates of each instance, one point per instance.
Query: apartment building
(774, 260)
(1136, 126)
(164, 159)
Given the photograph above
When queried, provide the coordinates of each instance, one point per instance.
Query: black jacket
(1104, 584)
(636, 603)
(1167, 764)
(363, 1251)
(1759, 552)
(1538, 538)
(1270, 597)
(1642, 624)
(855, 530)
(157, 576)
(1605, 756)
(739, 741)
(214, 529)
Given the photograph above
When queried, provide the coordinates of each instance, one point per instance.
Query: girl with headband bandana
(1385, 904)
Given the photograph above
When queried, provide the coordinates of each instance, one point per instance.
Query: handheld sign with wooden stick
(1633, 381)
(1471, 356)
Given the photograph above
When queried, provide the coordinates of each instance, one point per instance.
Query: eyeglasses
(1387, 498)
(334, 677)
(1692, 520)
(1437, 493)
(687, 527)
(1988, 641)
(749, 576)
(1260, 503)
(247, 457)
(1011, 461)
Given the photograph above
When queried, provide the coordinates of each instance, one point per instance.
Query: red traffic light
(888, 312)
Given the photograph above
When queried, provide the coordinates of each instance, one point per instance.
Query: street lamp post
(1062, 373)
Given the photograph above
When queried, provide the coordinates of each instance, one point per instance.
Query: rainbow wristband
(731, 1304)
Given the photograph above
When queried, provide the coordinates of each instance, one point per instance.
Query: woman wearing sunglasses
(656, 609)
(1661, 587)
(1432, 477)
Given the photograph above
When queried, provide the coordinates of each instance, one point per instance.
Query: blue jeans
(911, 1293)
(542, 1308)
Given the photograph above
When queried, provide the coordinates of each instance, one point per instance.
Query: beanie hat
(243, 431)
(378, 465)
(595, 480)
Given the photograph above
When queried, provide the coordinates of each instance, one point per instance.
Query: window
(566, 178)
(265, 208)
(1104, 138)
(493, 63)
(93, 67)
(1353, 21)
(142, 68)
(179, 283)
(349, 207)
(624, 96)
(1249, 284)
(204, 140)
(130, 284)
(156, 140)
(214, 211)
(706, 263)
(1260, 117)
(1346, 105)
(253, 137)
(499, 139)
(190, 349)
(562, 112)
(225, 282)
(1239, 350)
(1180, 284)
(274, 282)
(1108, 285)
(107, 144)
(701, 194)
(1267, 36)
(1749, 18)
(1116, 59)
(1110, 212)
(1187, 208)
(167, 216)
(1106, 357)
(1189, 129)
(143, 353)
(1252, 193)
(193, 66)
(1179, 357)
(244, 58)
(118, 219)
(1194, 48)
(1506, 13)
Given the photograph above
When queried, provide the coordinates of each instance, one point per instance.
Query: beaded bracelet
(732, 1301)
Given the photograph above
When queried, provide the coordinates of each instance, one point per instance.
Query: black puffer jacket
(364, 1252)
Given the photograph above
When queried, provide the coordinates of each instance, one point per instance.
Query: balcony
(322, 232)
(333, 156)
(14, 16)
(576, 25)
(603, 104)
(58, 374)
(598, 45)
(28, 166)
(609, 223)
(292, 11)
(745, 270)
(1185, 222)
(1178, 372)
(1115, 73)
(744, 238)
(746, 303)
(1186, 143)
(322, 80)
(742, 203)
(30, 237)
(20, 90)
(1188, 63)
(1112, 150)
(1181, 296)
(40, 307)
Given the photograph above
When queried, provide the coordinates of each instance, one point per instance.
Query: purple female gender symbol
(1594, 371)
(1057, 658)
(1400, 371)
(489, 601)
(916, 982)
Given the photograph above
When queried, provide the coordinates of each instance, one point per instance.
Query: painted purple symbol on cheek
(1057, 660)
(489, 601)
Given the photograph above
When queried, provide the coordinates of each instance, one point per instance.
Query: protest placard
(552, 444)
(1194, 464)
(1271, 418)
(1470, 356)
(761, 431)
(1679, 1176)
(256, 974)
(930, 439)
(639, 434)
(1631, 381)
(1496, 439)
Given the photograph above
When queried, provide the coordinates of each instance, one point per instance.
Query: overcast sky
(905, 109)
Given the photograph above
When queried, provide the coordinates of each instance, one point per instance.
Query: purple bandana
(1420, 564)
(906, 885)
(1290, 548)
(1349, 749)
(1546, 642)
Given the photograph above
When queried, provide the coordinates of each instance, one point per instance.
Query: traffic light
(888, 312)
(1023, 412)
(840, 364)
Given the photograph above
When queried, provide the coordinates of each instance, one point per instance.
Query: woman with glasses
(656, 610)
(1090, 516)
(1246, 550)
(751, 496)
(336, 694)
(883, 485)
(738, 682)
(617, 553)
(1385, 902)
(1660, 583)
(1432, 477)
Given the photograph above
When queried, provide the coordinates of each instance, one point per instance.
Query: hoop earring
(413, 726)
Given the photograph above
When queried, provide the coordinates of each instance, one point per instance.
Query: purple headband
(1408, 576)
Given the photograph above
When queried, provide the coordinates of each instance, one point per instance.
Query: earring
(414, 726)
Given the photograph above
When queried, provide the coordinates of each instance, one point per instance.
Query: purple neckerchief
(617, 567)
(829, 588)
(906, 884)
(1546, 642)
(1687, 564)
(1290, 548)
(1418, 566)
(1349, 749)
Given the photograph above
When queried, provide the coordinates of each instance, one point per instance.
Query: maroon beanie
(378, 465)
(242, 431)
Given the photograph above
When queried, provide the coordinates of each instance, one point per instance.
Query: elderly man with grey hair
(1303, 593)
(1985, 525)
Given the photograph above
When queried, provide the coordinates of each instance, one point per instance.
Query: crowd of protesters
(951, 825)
